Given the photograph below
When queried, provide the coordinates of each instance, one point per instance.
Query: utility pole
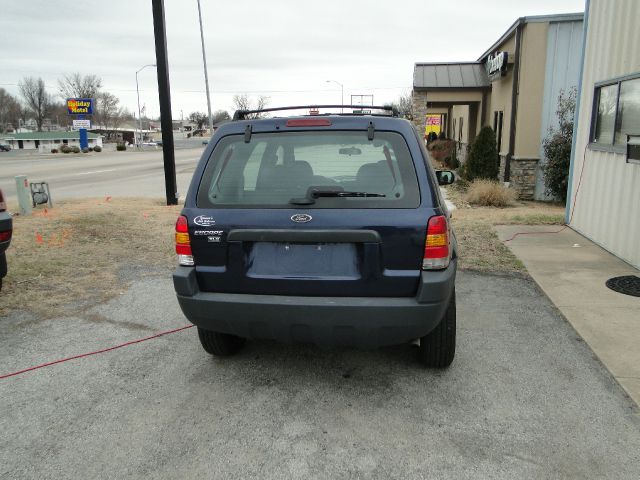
(164, 94)
(206, 75)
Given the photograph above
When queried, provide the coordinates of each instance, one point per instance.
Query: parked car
(5, 147)
(6, 228)
(330, 230)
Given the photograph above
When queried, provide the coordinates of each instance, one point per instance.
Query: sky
(285, 50)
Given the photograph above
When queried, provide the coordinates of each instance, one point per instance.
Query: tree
(483, 160)
(36, 98)
(404, 105)
(557, 147)
(244, 102)
(199, 118)
(10, 110)
(220, 115)
(76, 85)
(108, 112)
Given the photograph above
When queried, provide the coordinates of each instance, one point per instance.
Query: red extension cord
(573, 207)
(48, 364)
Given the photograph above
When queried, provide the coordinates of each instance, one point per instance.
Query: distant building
(512, 87)
(48, 140)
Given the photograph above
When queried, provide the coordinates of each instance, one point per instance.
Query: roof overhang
(562, 17)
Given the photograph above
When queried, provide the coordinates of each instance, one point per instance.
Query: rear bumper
(353, 321)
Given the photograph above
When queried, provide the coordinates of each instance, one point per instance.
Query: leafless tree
(404, 105)
(76, 85)
(108, 112)
(244, 102)
(220, 115)
(10, 110)
(36, 98)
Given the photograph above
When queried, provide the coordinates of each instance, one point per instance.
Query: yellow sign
(433, 124)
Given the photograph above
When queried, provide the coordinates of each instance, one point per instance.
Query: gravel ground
(525, 398)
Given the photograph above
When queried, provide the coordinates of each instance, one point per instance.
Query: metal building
(604, 186)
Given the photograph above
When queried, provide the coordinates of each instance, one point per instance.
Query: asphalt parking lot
(524, 398)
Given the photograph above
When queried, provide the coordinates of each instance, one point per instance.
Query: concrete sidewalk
(572, 271)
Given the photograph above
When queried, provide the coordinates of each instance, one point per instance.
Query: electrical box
(23, 191)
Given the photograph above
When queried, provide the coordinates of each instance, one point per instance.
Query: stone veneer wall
(419, 110)
(523, 177)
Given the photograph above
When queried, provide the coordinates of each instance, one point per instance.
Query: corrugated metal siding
(607, 208)
(562, 69)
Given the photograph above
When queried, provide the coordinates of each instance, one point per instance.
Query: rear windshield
(325, 169)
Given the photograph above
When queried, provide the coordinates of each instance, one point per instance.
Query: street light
(206, 76)
(138, 93)
(341, 93)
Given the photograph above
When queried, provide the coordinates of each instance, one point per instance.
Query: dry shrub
(488, 193)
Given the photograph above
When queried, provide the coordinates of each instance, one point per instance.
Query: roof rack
(241, 114)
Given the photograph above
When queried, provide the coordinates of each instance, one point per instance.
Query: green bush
(97, 148)
(65, 149)
(557, 147)
(75, 149)
(483, 160)
(54, 150)
(85, 150)
(121, 147)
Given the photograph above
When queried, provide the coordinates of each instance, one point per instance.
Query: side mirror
(445, 177)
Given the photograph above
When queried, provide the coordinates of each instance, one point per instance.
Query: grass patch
(72, 254)
(479, 245)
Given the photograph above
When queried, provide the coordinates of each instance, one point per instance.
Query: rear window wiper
(314, 193)
(333, 193)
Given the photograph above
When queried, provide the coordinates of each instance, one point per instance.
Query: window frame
(597, 86)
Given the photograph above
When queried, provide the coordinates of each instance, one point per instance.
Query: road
(524, 398)
(130, 173)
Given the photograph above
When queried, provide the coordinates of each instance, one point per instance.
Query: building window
(628, 121)
(616, 111)
(498, 117)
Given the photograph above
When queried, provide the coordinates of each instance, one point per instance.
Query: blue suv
(327, 229)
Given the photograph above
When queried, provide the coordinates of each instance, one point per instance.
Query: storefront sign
(80, 106)
(77, 124)
(433, 123)
(497, 65)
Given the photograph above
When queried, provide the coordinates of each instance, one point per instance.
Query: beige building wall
(460, 112)
(500, 99)
(533, 56)
(607, 206)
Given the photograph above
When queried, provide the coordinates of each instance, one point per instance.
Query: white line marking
(96, 171)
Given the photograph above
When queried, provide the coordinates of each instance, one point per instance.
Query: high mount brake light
(183, 243)
(437, 254)
(309, 122)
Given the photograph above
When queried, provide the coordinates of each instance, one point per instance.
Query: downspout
(567, 209)
(514, 103)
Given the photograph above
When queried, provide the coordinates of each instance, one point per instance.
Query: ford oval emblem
(301, 218)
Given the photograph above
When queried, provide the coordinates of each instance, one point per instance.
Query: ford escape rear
(324, 229)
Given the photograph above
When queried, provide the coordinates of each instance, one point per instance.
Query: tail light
(183, 243)
(436, 249)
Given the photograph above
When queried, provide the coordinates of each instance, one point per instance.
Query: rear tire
(220, 344)
(438, 348)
